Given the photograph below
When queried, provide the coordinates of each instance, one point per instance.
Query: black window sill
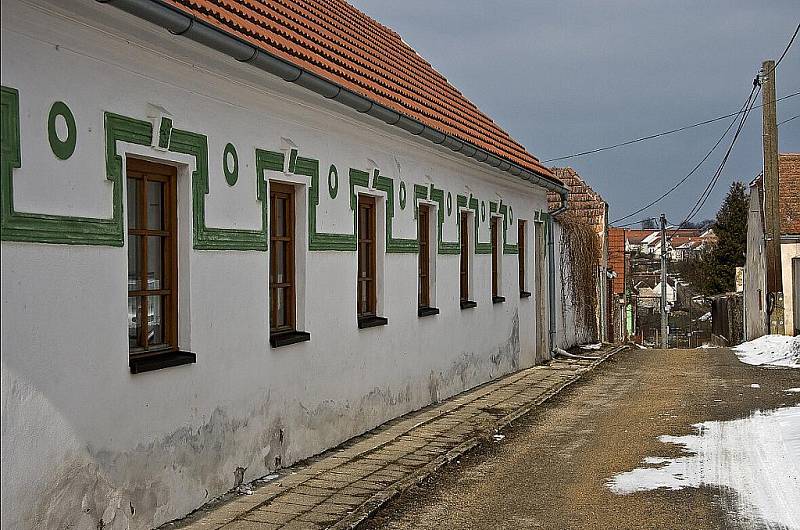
(284, 338)
(498, 299)
(160, 360)
(524, 294)
(468, 304)
(371, 322)
(426, 311)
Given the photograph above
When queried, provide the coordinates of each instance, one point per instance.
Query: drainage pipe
(179, 23)
(551, 269)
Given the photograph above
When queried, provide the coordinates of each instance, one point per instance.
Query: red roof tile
(339, 43)
(789, 192)
(583, 201)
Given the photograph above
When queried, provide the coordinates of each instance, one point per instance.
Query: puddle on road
(756, 460)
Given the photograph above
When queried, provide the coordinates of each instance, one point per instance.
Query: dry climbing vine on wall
(580, 259)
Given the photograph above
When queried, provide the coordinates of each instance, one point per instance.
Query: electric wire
(686, 127)
(694, 169)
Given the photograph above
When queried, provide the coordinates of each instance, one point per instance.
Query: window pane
(133, 203)
(155, 320)
(155, 263)
(155, 205)
(280, 261)
(280, 217)
(280, 307)
(134, 263)
(134, 308)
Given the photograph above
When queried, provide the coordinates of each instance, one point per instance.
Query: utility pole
(664, 320)
(771, 200)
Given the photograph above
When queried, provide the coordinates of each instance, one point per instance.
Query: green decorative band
(63, 149)
(333, 182)
(480, 248)
(230, 164)
(164, 132)
(394, 244)
(401, 193)
(320, 241)
(212, 238)
(63, 229)
(420, 192)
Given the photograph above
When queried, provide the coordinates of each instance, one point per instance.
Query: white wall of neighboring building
(789, 251)
(82, 438)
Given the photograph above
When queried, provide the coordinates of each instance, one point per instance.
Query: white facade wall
(790, 251)
(83, 438)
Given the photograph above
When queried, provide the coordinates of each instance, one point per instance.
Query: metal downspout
(179, 23)
(551, 270)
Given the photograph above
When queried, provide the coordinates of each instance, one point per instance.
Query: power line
(710, 187)
(789, 119)
(660, 134)
(785, 50)
(696, 167)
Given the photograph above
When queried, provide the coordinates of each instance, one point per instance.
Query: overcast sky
(566, 76)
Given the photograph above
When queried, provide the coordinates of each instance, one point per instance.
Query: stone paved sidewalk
(340, 488)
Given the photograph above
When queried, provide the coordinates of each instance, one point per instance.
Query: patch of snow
(754, 457)
(498, 437)
(794, 390)
(705, 346)
(592, 346)
(770, 350)
(706, 317)
(755, 385)
(641, 347)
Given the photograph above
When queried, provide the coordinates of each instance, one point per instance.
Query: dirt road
(551, 469)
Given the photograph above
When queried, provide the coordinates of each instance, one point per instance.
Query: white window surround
(184, 165)
(470, 250)
(380, 248)
(433, 246)
(499, 242)
(301, 185)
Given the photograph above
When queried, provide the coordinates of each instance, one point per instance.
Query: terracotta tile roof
(584, 202)
(789, 192)
(616, 258)
(339, 43)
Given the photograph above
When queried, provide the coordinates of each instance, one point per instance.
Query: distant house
(619, 267)
(756, 303)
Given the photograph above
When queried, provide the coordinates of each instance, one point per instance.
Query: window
(494, 225)
(464, 266)
(522, 248)
(152, 267)
(366, 298)
(424, 265)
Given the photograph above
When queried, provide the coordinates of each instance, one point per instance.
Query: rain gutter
(551, 270)
(179, 23)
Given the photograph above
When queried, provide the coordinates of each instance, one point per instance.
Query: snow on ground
(772, 350)
(754, 457)
(793, 390)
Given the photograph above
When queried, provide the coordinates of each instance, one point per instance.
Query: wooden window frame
(497, 255)
(367, 207)
(143, 357)
(424, 307)
(424, 261)
(464, 259)
(286, 193)
(522, 249)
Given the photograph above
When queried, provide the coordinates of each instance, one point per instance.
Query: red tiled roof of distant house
(583, 202)
(616, 258)
(339, 43)
(789, 192)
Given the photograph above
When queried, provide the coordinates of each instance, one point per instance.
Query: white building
(145, 174)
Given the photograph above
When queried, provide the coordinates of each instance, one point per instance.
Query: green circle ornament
(483, 211)
(333, 181)
(402, 194)
(510, 215)
(231, 173)
(63, 149)
(449, 204)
